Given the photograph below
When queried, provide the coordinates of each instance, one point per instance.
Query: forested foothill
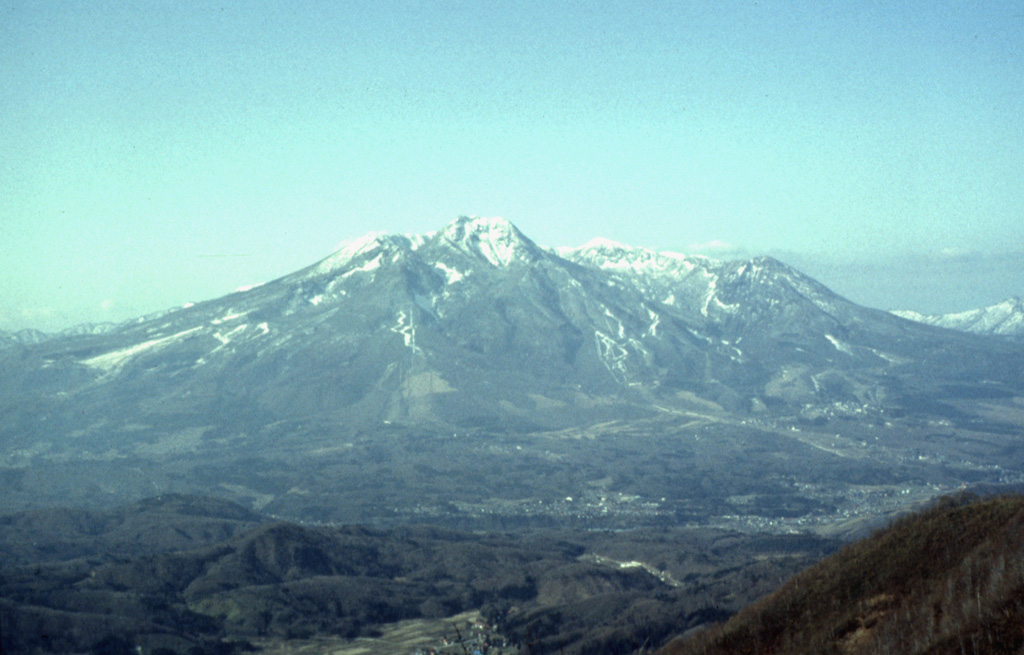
(182, 574)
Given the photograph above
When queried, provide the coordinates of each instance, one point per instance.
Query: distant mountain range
(1005, 318)
(29, 336)
(476, 330)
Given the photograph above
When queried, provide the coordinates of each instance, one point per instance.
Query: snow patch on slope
(405, 327)
(712, 296)
(229, 317)
(367, 267)
(839, 345)
(451, 275)
(112, 361)
(225, 338)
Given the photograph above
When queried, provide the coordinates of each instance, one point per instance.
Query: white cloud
(716, 248)
(953, 253)
(37, 313)
(46, 319)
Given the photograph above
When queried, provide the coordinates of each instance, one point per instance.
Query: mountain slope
(948, 580)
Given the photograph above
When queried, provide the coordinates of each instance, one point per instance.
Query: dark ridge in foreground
(947, 581)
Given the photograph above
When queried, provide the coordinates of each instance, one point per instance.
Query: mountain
(476, 324)
(22, 337)
(948, 580)
(1005, 318)
(412, 377)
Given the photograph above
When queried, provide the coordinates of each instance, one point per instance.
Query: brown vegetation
(949, 580)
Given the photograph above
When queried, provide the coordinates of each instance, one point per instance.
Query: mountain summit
(495, 240)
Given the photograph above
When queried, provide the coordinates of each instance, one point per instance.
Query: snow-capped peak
(368, 244)
(348, 250)
(352, 247)
(495, 239)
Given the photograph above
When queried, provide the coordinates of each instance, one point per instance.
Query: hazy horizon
(163, 153)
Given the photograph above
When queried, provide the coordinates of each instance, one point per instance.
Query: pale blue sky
(154, 153)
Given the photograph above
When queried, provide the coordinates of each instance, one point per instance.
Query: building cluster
(476, 637)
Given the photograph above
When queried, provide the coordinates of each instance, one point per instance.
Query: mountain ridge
(467, 234)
